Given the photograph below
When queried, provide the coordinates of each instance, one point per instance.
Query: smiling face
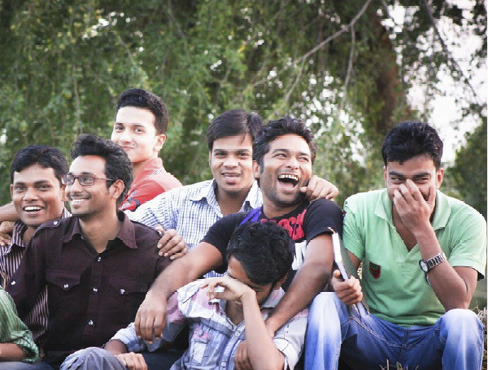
(37, 195)
(231, 164)
(134, 131)
(420, 169)
(95, 200)
(286, 167)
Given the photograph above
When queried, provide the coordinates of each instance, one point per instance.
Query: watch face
(423, 266)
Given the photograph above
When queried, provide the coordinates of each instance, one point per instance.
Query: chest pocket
(129, 293)
(63, 289)
(63, 280)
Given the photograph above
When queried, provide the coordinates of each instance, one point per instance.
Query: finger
(139, 362)
(159, 322)
(180, 254)
(165, 243)
(179, 249)
(337, 275)
(159, 228)
(398, 199)
(414, 190)
(432, 194)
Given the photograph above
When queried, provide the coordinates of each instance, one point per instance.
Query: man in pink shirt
(140, 126)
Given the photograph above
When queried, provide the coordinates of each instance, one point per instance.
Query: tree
(344, 66)
(469, 172)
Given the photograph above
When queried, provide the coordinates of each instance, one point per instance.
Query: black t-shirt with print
(303, 224)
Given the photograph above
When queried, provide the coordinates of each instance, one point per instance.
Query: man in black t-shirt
(283, 154)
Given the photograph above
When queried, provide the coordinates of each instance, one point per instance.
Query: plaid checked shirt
(190, 210)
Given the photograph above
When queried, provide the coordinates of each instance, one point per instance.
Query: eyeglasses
(84, 180)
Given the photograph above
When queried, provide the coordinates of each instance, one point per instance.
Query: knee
(325, 301)
(81, 358)
(461, 317)
(460, 323)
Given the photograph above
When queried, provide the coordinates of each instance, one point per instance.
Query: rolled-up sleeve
(290, 338)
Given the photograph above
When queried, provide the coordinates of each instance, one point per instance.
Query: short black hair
(280, 127)
(409, 139)
(264, 250)
(234, 122)
(43, 155)
(141, 98)
(117, 163)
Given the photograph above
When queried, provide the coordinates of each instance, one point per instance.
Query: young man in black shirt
(283, 154)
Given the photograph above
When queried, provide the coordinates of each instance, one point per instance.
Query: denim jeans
(364, 341)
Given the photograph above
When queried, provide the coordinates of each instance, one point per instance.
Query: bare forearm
(308, 282)
(8, 213)
(11, 352)
(450, 288)
(263, 353)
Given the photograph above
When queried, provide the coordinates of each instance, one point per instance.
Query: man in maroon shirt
(87, 261)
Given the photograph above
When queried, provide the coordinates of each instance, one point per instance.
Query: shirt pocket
(129, 294)
(63, 289)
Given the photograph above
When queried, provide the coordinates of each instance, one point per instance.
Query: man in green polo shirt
(422, 254)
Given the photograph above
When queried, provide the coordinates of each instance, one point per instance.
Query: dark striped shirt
(10, 258)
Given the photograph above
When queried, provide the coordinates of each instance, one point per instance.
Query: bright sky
(446, 114)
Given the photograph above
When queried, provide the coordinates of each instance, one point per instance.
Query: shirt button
(122, 291)
(13, 282)
(223, 364)
(90, 322)
(99, 259)
(237, 333)
(65, 286)
(95, 290)
(55, 223)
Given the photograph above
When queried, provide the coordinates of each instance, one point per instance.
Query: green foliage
(335, 64)
(470, 171)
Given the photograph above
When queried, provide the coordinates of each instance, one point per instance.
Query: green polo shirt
(392, 281)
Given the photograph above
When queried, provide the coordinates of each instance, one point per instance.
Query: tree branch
(450, 60)
(320, 45)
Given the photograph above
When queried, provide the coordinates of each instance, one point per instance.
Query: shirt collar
(20, 228)
(207, 192)
(441, 213)
(126, 233)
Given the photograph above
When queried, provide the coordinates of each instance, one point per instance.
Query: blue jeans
(454, 342)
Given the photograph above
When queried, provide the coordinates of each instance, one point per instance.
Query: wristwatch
(427, 265)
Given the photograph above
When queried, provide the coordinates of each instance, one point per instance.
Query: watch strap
(435, 260)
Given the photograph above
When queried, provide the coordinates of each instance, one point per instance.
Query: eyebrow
(231, 150)
(416, 176)
(82, 173)
(40, 182)
(290, 151)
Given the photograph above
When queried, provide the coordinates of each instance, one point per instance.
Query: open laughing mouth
(289, 179)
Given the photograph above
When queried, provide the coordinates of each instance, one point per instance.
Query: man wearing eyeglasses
(86, 261)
